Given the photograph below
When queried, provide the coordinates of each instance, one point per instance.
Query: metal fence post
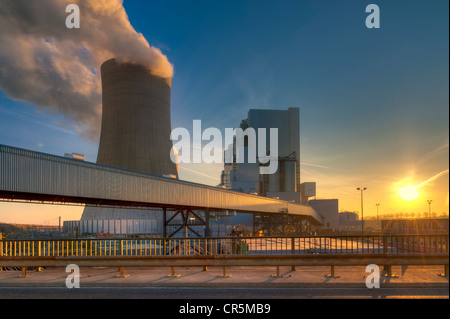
(121, 274)
(24, 272)
(1, 249)
(445, 274)
(224, 274)
(385, 245)
(333, 273)
(39, 254)
(172, 272)
(293, 250)
(277, 274)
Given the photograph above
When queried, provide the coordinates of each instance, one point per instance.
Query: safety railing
(306, 245)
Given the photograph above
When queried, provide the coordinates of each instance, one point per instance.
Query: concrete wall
(112, 226)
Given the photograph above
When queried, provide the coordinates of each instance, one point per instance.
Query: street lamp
(429, 207)
(362, 208)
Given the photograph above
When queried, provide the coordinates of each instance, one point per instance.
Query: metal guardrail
(394, 245)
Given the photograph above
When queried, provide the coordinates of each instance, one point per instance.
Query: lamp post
(362, 208)
(429, 207)
(378, 205)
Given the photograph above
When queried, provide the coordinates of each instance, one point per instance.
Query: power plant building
(245, 177)
(329, 210)
(285, 182)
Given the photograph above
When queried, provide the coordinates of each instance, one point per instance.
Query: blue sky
(373, 103)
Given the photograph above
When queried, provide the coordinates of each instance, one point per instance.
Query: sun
(408, 193)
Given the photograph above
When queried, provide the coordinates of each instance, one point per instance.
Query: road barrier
(304, 245)
(230, 251)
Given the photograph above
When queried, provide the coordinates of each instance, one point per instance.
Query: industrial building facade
(77, 228)
(285, 183)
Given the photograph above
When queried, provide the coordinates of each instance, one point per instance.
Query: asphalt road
(221, 293)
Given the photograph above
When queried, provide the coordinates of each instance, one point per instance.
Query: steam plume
(56, 68)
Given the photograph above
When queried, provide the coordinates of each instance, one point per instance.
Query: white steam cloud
(58, 69)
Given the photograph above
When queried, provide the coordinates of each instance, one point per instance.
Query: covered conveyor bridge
(33, 176)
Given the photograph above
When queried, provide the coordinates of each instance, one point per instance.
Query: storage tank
(288, 176)
(274, 181)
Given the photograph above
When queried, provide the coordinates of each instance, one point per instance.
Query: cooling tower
(136, 127)
(135, 133)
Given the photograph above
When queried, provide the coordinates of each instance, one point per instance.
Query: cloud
(437, 151)
(319, 166)
(58, 69)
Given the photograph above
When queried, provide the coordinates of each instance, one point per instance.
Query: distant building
(419, 226)
(307, 190)
(329, 210)
(225, 181)
(349, 221)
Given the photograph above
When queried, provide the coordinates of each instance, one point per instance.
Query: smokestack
(136, 127)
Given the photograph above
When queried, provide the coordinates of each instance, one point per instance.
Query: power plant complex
(134, 187)
(135, 136)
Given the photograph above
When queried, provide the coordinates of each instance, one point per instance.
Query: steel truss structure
(185, 219)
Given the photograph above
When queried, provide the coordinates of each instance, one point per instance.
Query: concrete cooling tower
(136, 127)
(135, 135)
